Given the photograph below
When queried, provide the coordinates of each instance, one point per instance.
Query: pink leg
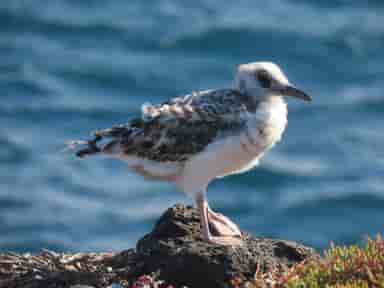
(202, 205)
(222, 224)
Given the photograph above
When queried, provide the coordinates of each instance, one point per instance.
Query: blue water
(69, 67)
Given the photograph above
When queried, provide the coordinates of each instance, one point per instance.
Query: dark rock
(175, 252)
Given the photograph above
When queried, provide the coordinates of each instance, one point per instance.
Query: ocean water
(69, 67)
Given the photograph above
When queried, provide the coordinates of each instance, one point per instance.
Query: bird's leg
(222, 224)
(202, 206)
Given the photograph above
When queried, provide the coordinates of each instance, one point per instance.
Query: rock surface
(173, 252)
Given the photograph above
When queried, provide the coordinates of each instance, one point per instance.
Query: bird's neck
(272, 110)
(274, 100)
(271, 119)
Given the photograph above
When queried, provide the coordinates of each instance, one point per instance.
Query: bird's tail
(85, 147)
(90, 147)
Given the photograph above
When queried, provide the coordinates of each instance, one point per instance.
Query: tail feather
(91, 146)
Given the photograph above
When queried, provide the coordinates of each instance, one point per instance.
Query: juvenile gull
(194, 139)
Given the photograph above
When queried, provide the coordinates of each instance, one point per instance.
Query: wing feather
(181, 127)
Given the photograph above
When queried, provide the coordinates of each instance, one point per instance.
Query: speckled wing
(181, 127)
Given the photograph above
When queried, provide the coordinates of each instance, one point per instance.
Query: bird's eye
(264, 79)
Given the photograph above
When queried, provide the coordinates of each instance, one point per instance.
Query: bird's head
(264, 79)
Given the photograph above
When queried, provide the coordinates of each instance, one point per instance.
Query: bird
(193, 139)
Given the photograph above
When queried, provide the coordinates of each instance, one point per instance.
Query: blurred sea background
(69, 67)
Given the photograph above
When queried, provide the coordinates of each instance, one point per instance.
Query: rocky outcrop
(173, 252)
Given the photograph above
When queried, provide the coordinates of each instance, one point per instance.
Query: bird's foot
(222, 225)
(224, 240)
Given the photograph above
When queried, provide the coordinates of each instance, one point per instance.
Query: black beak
(289, 90)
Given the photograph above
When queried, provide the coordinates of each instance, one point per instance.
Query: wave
(12, 152)
(258, 23)
(20, 19)
(363, 95)
(363, 191)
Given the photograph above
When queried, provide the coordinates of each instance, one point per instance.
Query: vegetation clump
(342, 266)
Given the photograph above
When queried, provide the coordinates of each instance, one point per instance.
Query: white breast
(237, 153)
(269, 122)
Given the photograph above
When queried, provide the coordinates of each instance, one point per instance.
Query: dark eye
(263, 78)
